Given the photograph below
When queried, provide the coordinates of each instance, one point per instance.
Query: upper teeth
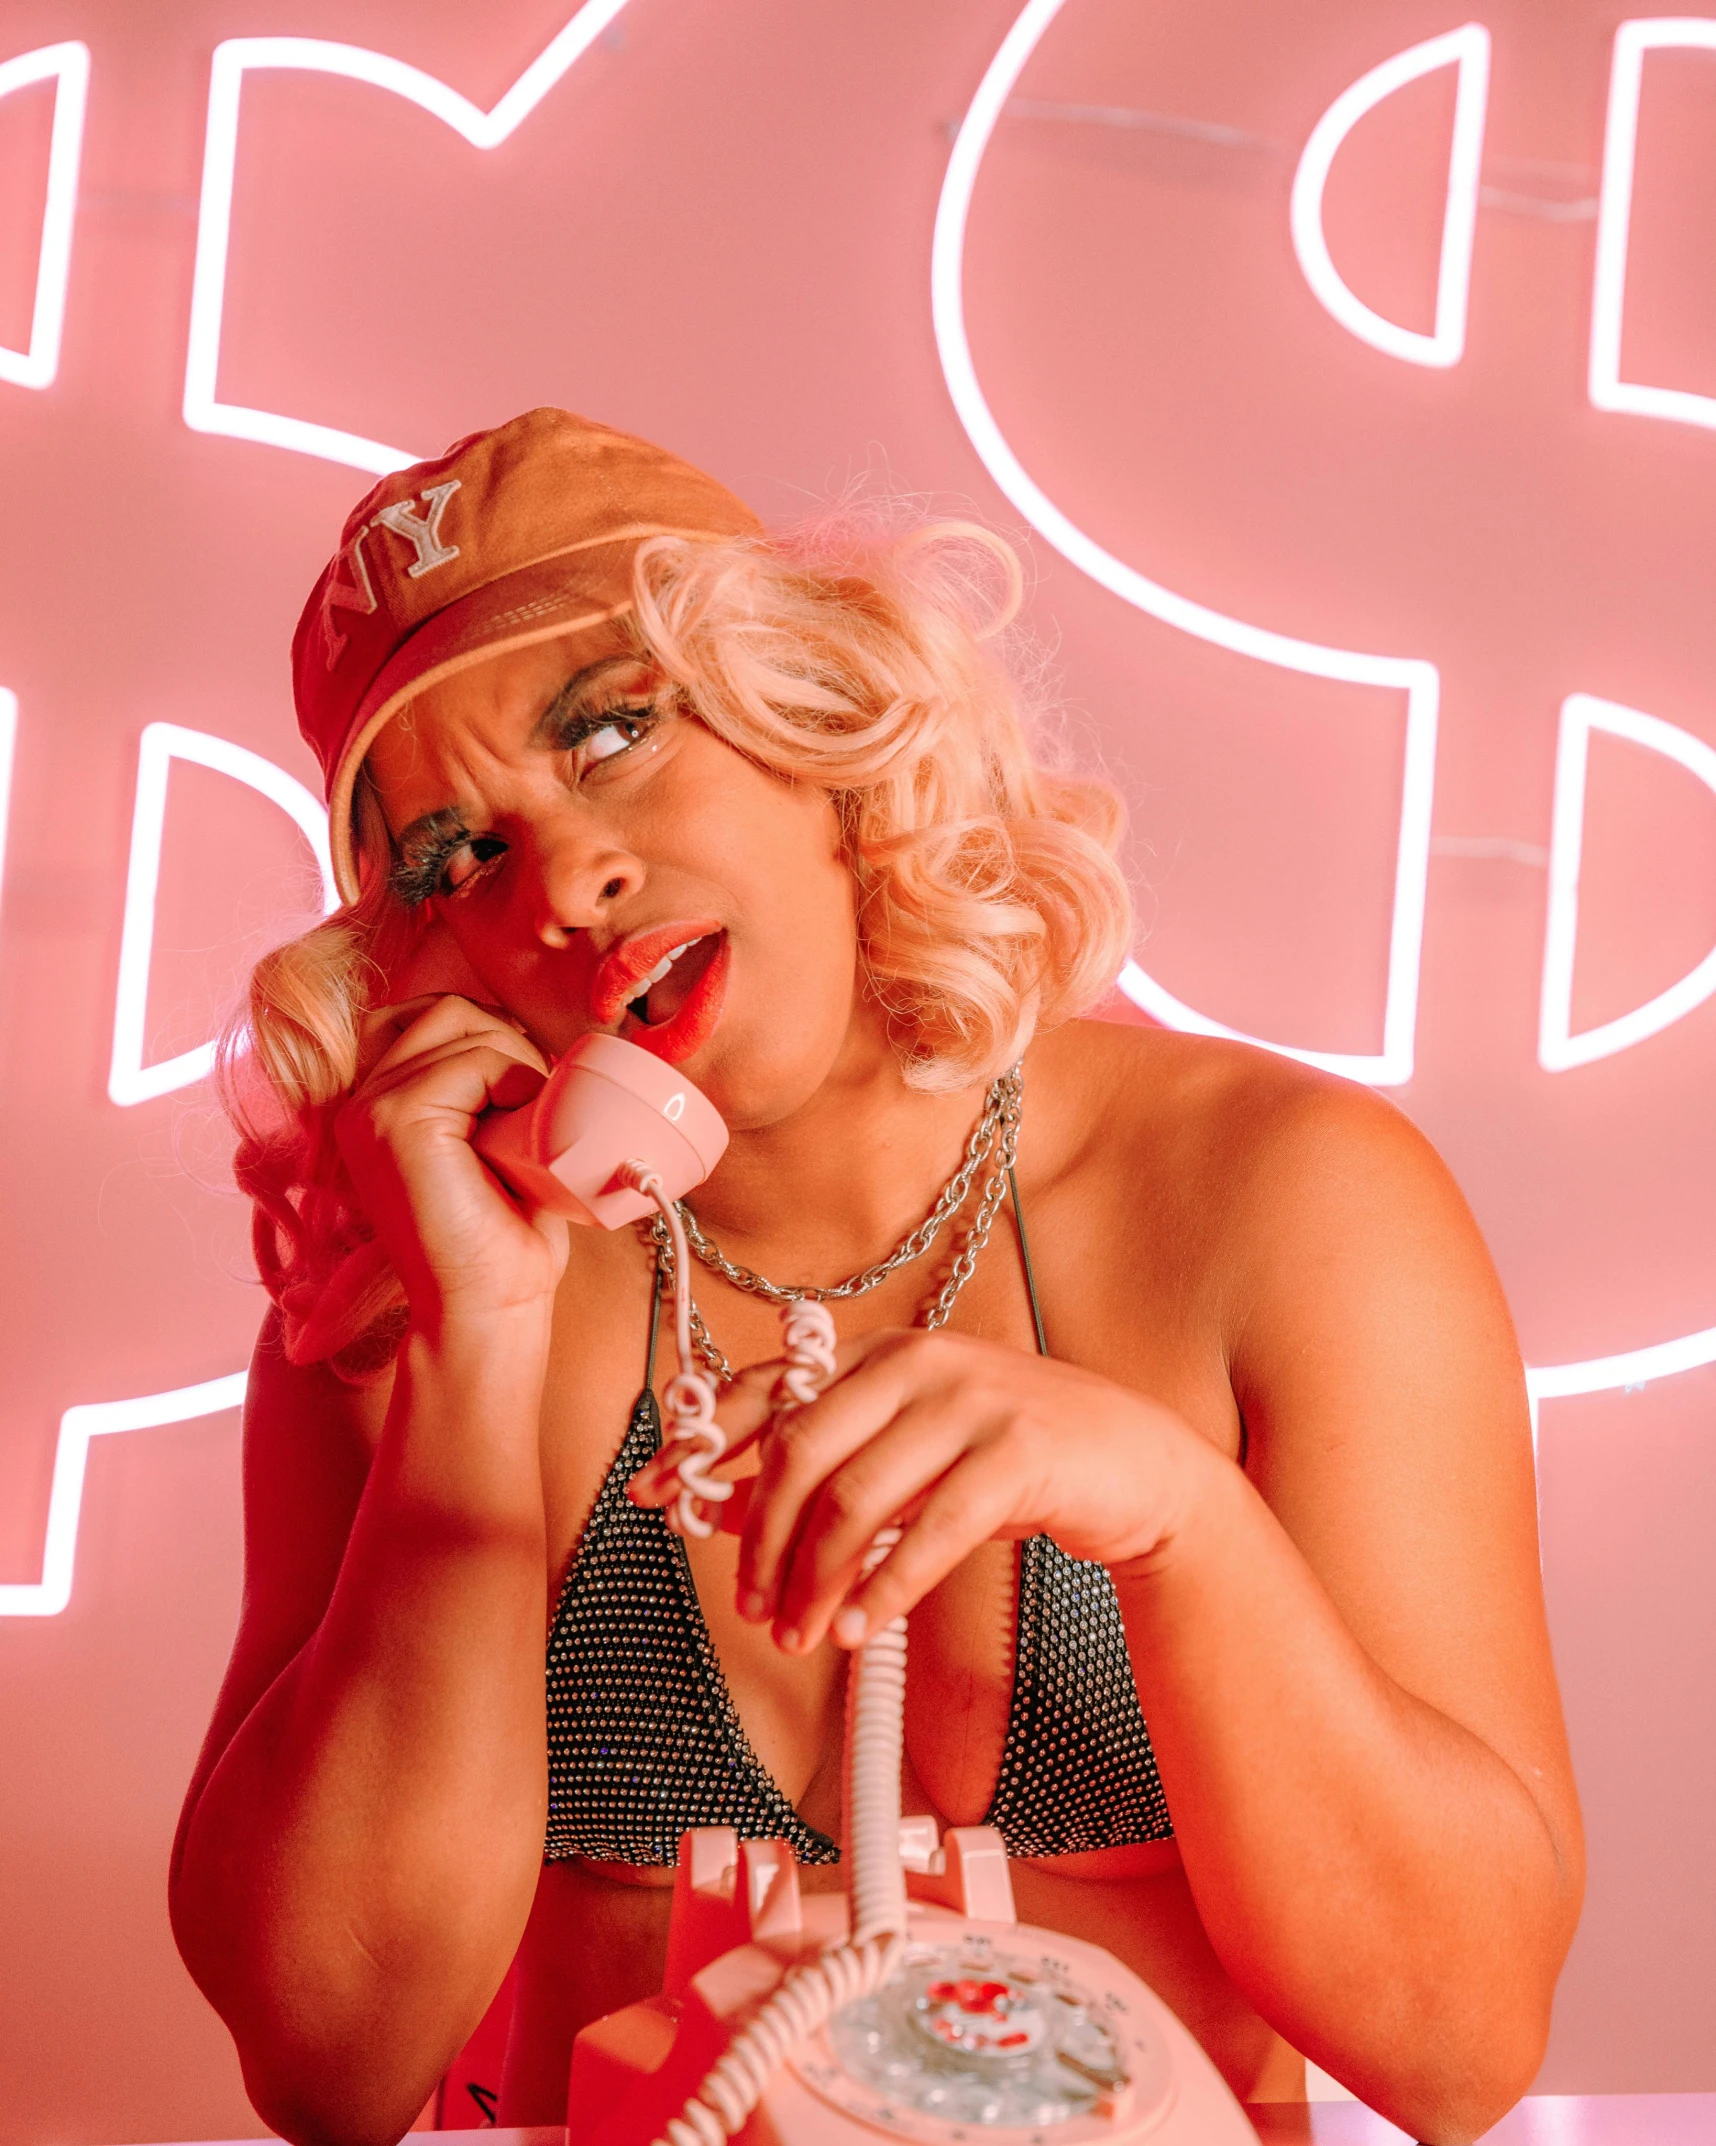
(665, 963)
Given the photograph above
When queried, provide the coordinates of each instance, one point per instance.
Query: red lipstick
(621, 971)
(691, 1027)
(631, 969)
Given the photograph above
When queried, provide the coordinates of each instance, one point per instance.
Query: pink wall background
(716, 230)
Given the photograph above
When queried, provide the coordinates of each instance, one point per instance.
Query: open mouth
(673, 979)
(679, 1000)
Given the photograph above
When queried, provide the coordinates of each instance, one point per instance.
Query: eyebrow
(543, 730)
(448, 819)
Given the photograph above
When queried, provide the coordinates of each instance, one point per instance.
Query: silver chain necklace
(995, 1135)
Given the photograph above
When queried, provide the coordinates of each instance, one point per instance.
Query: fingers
(394, 1036)
(751, 1404)
(452, 1084)
(460, 1243)
(868, 1453)
(754, 1395)
(657, 1484)
(434, 1056)
(730, 1518)
(749, 1407)
(921, 1432)
(952, 1441)
(887, 1482)
(806, 1447)
(745, 1410)
(970, 1505)
(381, 1026)
(748, 1404)
(405, 1134)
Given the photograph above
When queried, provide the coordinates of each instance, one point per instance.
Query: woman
(601, 755)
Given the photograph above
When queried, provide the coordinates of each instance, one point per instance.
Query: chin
(755, 1080)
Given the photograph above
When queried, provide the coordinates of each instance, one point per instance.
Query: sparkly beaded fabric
(1077, 1770)
(644, 1740)
(643, 1737)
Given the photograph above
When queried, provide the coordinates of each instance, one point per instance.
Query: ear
(434, 964)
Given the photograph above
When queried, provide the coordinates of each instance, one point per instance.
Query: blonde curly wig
(871, 662)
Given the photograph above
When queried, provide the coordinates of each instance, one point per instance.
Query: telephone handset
(803, 2022)
(606, 1104)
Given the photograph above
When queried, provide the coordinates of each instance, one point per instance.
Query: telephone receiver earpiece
(606, 1103)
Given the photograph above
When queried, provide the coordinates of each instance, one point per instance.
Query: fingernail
(753, 1607)
(790, 1640)
(850, 1627)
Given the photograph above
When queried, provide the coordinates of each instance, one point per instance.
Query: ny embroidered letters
(422, 531)
(349, 586)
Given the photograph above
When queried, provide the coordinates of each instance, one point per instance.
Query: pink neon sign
(1379, 642)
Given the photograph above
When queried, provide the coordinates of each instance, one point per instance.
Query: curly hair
(871, 663)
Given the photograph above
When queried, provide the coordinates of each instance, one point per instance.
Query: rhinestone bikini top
(644, 1740)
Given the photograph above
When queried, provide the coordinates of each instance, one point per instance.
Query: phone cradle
(992, 2029)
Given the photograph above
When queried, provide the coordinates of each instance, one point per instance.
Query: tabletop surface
(1540, 2120)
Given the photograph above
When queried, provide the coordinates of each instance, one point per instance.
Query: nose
(583, 873)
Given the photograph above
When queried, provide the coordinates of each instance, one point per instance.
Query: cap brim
(535, 603)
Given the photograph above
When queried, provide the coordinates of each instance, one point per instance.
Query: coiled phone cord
(813, 1991)
(688, 1399)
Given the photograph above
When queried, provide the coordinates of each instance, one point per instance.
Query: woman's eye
(467, 861)
(612, 738)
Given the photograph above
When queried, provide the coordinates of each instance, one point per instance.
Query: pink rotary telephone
(919, 2008)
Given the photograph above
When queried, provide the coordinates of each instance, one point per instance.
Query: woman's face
(605, 863)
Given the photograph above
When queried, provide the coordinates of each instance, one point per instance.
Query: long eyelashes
(415, 878)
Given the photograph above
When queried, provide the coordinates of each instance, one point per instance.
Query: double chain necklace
(994, 1138)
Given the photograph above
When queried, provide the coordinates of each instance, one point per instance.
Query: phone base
(991, 2028)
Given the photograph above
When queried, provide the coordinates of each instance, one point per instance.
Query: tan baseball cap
(512, 536)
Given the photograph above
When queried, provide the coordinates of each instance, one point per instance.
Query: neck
(839, 1182)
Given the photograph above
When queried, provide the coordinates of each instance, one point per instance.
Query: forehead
(486, 713)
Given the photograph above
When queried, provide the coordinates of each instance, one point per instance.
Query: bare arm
(360, 1845)
(1346, 1669)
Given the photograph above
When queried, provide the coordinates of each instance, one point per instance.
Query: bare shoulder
(1321, 1249)
(1296, 1209)
(1241, 1136)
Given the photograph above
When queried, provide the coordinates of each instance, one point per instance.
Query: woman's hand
(958, 1442)
(461, 1245)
